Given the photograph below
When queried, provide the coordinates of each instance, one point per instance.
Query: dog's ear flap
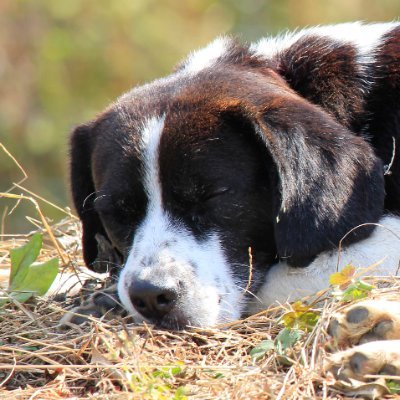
(330, 180)
(84, 194)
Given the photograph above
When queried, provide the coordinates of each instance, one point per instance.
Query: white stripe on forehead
(151, 136)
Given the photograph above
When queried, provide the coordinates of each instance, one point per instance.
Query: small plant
(393, 386)
(169, 371)
(296, 323)
(27, 277)
(347, 287)
(302, 317)
(158, 384)
(262, 349)
(285, 339)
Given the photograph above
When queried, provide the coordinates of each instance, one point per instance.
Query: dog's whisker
(105, 261)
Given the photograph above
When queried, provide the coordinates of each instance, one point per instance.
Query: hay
(112, 359)
(116, 360)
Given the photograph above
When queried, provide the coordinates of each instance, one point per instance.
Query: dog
(246, 177)
(229, 184)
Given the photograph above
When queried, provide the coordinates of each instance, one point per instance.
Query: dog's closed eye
(212, 195)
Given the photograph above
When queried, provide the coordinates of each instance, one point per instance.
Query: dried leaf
(343, 277)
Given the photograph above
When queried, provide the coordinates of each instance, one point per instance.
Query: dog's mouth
(172, 313)
(164, 311)
(176, 321)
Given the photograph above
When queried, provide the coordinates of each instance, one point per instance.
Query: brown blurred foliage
(61, 61)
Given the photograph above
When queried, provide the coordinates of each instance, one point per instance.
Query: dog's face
(183, 176)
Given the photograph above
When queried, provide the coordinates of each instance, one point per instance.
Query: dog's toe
(79, 315)
(373, 358)
(99, 304)
(366, 321)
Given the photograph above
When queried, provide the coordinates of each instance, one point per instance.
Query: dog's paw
(104, 303)
(370, 333)
(373, 358)
(366, 321)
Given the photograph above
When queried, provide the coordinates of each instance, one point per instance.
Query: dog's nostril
(163, 300)
(152, 301)
(138, 303)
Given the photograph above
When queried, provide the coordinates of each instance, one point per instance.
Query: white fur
(365, 37)
(151, 136)
(165, 250)
(284, 283)
(207, 56)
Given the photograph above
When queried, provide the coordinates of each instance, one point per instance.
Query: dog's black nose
(152, 301)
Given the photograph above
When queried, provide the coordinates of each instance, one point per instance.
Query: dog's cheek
(248, 262)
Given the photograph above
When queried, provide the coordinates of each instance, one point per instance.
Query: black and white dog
(283, 146)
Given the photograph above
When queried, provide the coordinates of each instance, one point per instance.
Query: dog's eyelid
(216, 193)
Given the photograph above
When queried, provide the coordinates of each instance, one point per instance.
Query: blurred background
(62, 61)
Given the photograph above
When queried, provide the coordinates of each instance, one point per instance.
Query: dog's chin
(176, 321)
(183, 318)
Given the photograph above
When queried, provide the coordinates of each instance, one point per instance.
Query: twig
(25, 175)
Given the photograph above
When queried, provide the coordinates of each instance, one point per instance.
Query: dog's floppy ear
(330, 180)
(84, 194)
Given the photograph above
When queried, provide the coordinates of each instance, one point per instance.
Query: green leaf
(302, 317)
(168, 371)
(355, 291)
(180, 393)
(37, 280)
(21, 258)
(286, 338)
(28, 278)
(365, 286)
(261, 349)
(31, 348)
(393, 386)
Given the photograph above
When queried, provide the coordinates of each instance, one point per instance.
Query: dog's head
(182, 176)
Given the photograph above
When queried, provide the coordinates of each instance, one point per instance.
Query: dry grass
(115, 360)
